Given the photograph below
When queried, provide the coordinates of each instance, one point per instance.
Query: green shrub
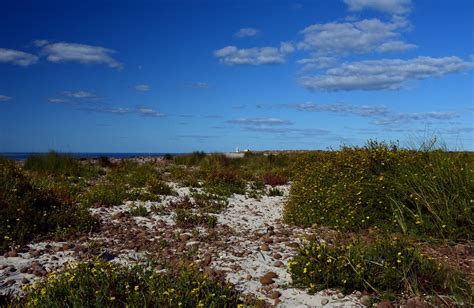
(209, 202)
(26, 211)
(59, 164)
(275, 192)
(224, 182)
(387, 267)
(131, 174)
(186, 219)
(156, 186)
(139, 210)
(104, 194)
(101, 284)
(380, 186)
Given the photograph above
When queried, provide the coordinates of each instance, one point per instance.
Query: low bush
(104, 194)
(386, 267)
(381, 186)
(187, 219)
(224, 182)
(27, 212)
(139, 210)
(274, 179)
(59, 164)
(104, 284)
(158, 187)
(274, 192)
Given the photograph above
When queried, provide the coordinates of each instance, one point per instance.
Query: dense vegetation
(422, 193)
(105, 284)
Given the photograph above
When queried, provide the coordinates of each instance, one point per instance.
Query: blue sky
(179, 76)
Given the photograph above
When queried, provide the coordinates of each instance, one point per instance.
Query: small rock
(248, 277)
(12, 253)
(365, 300)
(271, 275)
(324, 301)
(12, 269)
(385, 304)
(264, 247)
(278, 264)
(275, 295)
(25, 280)
(277, 301)
(24, 269)
(340, 295)
(276, 256)
(417, 302)
(184, 237)
(206, 260)
(266, 280)
(9, 283)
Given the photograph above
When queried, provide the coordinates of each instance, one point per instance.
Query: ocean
(24, 155)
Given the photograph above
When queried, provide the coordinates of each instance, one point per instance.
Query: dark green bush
(387, 267)
(26, 211)
(101, 284)
(380, 186)
(59, 164)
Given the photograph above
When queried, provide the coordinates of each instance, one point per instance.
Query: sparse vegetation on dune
(385, 203)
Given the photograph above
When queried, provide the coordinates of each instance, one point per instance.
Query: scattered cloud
(285, 130)
(380, 115)
(394, 46)
(317, 63)
(385, 74)
(341, 108)
(148, 112)
(17, 57)
(396, 118)
(142, 87)
(80, 94)
(58, 100)
(394, 7)
(246, 32)
(232, 55)
(200, 85)
(197, 136)
(4, 98)
(360, 37)
(85, 54)
(40, 43)
(260, 121)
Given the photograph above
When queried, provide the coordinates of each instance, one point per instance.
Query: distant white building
(237, 150)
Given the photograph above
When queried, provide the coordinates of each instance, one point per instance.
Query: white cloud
(85, 54)
(317, 63)
(395, 7)
(17, 57)
(80, 94)
(261, 121)
(395, 46)
(200, 85)
(57, 100)
(246, 32)
(231, 55)
(142, 87)
(385, 74)
(4, 98)
(40, 43)
(362, 36)
(148, 112)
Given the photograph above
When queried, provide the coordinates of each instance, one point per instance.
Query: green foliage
(59, 164)
(274, 192)
(139, 210)
(185, 218)
(104, 194)
(101, 284)
(381, 186)
(386, 267)
(158, 187)
(209, 203)
(224, 182)
(27, 211)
